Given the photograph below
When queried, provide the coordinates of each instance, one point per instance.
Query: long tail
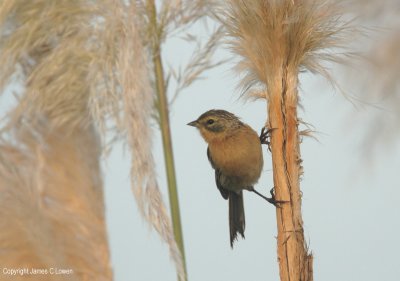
(236, 215)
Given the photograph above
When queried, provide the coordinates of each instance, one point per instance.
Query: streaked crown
(217, 120)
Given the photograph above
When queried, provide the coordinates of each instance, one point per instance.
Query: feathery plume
(379, 81)
(138, 107)
(73, 61)
(275, 36)
(52, 209)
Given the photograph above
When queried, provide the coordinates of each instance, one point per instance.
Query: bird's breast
(238, 157)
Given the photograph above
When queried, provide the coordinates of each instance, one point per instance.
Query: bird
(235, 153)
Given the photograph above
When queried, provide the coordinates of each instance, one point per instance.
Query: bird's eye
(210, 121)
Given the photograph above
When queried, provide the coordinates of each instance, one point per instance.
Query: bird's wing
(218, 175)
(209, 158)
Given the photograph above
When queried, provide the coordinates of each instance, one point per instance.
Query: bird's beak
(193, 123)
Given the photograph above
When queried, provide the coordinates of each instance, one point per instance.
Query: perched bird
(234, 151)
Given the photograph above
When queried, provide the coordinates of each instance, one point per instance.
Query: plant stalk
(295, 263)
(162, 105)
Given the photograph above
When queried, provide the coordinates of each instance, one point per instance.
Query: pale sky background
(350, 202)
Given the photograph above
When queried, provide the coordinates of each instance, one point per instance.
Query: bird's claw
(265, 136)
(273, 201)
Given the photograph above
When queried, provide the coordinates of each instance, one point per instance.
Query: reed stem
(162, 106)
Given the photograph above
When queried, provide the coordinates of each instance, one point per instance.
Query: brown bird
(234, 151)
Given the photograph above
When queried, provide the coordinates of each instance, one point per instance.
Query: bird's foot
(265, 136)
(271, 200)
(274, 201)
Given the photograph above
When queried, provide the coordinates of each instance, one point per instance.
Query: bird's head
(216, 124)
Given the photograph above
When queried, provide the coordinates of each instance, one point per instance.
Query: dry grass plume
(83, 74)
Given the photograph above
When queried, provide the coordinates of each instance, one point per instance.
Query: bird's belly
(240, 167)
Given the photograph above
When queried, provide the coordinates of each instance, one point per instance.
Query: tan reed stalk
(277, 39)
